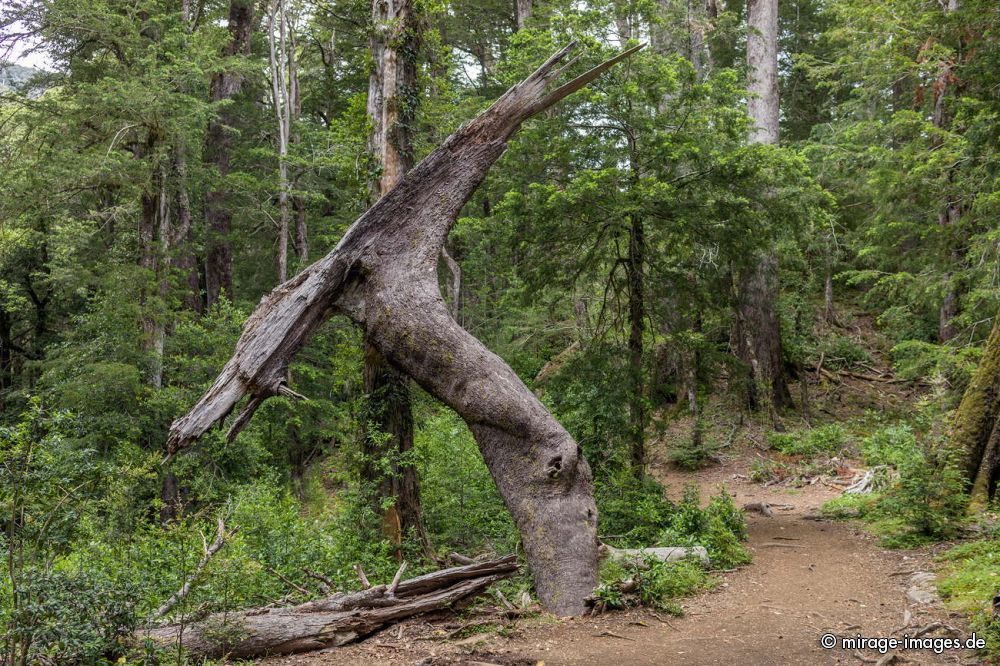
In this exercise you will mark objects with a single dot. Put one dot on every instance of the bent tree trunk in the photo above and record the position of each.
(976, 426)
(383, 275)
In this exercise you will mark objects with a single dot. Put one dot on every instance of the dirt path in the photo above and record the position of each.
(808, 578)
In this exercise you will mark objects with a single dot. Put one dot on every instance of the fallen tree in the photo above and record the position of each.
(333, 621)
(383, 275)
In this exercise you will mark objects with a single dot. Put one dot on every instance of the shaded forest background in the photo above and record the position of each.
(180, 159)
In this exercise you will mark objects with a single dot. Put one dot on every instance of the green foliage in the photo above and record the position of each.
(894, 445)
(649, 582)
(719, 527)
(841, 351)
(461, 504)
(928, 499)
(827, 439)
(632, 512)
(968, 584)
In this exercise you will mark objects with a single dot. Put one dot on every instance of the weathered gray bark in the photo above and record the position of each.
(395, 42)
(759, 332)
(383, 275)
(218, 145)
(334, 621)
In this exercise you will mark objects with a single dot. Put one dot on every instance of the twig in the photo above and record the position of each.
(325, 583)
(395, 580)
(612, 634)
(361, 575)
(288, 582)
(176, 597)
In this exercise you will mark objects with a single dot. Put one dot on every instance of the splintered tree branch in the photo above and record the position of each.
(383, 275)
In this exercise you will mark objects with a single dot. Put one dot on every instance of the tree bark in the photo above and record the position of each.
(331, 622)
(391, 109)
(635, 266)
(383, 275)
(522, 9)
(225, 86)
(218, 146)
(759, 337)
(976, 424)
(951, 214)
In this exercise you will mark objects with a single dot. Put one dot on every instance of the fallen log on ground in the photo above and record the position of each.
(332, 621)
(667, 554)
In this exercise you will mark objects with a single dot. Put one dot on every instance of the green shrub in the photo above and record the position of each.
(928, 499)
(719, 528)
(840, 351)
(764, 471)
(649, 582)
(693, 453)
(968, 585)
(824, 439)
(848, 506)
(631, 512)
(892, 445)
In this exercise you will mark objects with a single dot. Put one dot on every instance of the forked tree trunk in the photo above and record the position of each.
(394, 44)
(383, 275)
(976, 425)
(759, 335)
(218, 145)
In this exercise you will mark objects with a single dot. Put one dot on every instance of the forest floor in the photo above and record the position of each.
(809, 577)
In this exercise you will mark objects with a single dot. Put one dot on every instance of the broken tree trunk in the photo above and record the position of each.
(333, 621)
(383, 275)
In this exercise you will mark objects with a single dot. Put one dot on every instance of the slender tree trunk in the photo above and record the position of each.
(950, 214)
(635, 264)
(522, 9)
(759, 338)
(218, 146)
(284, 88)
(391, 107)
(976, 424)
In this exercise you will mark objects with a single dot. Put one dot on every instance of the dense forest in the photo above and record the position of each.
(295, 292)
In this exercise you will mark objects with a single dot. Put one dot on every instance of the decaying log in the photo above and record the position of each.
(332, 621)
(383, 275)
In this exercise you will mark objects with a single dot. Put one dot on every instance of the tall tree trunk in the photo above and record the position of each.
(976, 424)
(391, 108)
(635, 263)
(759, 337)
(383, 275)
(522, 9)
(284, 89)
(950, 214)
(218, 145)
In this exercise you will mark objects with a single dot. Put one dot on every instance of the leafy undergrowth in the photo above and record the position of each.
(719, 527)
(969, 584)
(918, 493)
